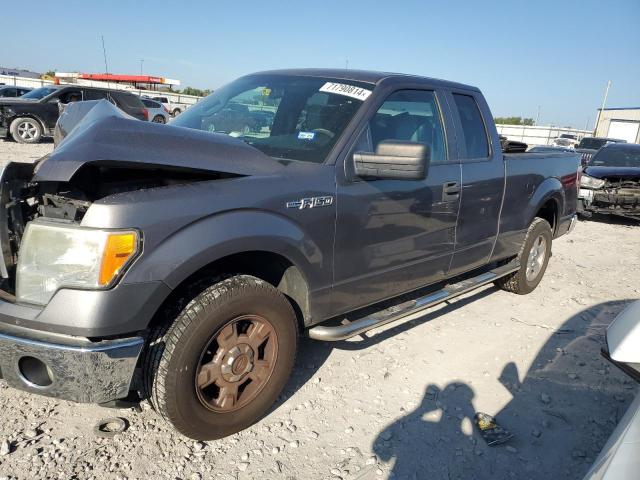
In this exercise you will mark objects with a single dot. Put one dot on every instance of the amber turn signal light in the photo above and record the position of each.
(119, 248)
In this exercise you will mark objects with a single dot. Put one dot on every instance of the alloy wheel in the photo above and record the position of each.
(236, 363)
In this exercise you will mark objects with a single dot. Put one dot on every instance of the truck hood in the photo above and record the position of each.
(103, 134)
(613, 172)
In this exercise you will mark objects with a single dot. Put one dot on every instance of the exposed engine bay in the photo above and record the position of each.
(618, 196)
(23, 199)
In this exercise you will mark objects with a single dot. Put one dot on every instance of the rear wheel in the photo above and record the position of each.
(26, 130)
(158, 119)
(534, 258)
(220, 365)
(176, 112)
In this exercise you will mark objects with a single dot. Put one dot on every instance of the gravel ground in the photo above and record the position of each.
(398, 403)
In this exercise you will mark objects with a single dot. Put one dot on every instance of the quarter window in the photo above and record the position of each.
(410, 115)
(475, 134)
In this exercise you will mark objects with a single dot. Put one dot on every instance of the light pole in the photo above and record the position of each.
(604, 102)
(141, 62)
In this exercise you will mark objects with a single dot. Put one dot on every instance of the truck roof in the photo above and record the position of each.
(366, 76)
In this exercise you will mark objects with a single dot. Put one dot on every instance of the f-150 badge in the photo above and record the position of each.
(311, 202)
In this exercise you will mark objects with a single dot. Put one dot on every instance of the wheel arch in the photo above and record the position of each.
(547, 202)
(32, 116)
(273, 268)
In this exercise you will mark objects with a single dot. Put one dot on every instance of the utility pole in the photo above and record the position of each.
(104, 52)
(346, 64)
(141, 62)
(604, 102)
(538, 116)
(586, 125)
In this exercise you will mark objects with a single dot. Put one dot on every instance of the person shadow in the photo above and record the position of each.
(431, 441)
(561, 412)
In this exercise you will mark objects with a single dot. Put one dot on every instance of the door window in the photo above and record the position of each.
(96, 95)
(473, 129)
(410, 115)
(71, 96)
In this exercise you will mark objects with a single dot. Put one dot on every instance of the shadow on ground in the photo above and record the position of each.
(561, 414)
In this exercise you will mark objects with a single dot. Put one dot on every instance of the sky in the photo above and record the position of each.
(553, 55)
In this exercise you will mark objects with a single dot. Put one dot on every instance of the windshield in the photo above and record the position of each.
(285, 117)
(39, 93)
(592, 143)
(616, 157)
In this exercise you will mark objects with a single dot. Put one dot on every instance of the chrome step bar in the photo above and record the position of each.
(409, 310)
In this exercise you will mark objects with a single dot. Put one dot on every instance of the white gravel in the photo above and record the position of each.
(397, 404)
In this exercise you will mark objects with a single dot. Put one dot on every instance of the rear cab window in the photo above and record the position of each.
(474, 131)
(126, 101)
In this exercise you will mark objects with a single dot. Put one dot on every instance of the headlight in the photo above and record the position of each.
(54, 256)
(590, 182)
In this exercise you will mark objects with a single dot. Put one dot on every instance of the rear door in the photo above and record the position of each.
(393, 236)
(482, 181)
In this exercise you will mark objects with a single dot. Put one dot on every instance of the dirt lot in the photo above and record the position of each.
(398, 403)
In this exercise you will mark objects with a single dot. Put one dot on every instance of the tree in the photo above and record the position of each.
(195, 91)
(514, 121)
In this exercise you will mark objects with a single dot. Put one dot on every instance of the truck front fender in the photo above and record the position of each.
(212, 238)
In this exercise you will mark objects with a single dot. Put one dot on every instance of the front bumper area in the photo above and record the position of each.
(70, 368)
(606, 202)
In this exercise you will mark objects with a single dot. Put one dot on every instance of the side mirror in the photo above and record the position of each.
(394, 160)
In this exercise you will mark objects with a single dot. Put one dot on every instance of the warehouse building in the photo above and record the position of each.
(623, 123)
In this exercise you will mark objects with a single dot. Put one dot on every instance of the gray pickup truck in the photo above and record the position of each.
(180, 263)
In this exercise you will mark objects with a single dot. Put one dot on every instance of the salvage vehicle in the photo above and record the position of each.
(174, 263)
(174, 108)
(158, 113)
(619, 457)
(566, 140)
(32, 117)
(610, 183)
(588, 146)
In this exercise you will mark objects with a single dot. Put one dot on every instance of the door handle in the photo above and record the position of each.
(450, 191)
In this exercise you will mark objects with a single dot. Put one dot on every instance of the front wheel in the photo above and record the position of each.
(534, 258)
(26, 130)
(223, 361)
(159, 119)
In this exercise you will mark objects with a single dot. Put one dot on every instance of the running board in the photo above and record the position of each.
(412, 309)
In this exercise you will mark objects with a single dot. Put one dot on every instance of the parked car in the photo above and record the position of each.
(619, 458)
(590, 145)
(610, 182)
(12, 92)
(175, 108)
(33, 116)
(198, 258)
(158, 113)
(566, 140)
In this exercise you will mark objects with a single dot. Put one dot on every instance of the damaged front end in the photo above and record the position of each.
(100, 153)
(614, 196)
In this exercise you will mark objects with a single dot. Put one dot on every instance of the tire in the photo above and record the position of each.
(26, 130)
(182, 356)
(159, 119)
(527, 278)
(176, 112)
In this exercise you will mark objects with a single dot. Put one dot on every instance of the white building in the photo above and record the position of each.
(623, 123)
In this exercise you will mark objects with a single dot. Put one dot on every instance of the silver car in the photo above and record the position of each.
(620, 457)
(158, 113)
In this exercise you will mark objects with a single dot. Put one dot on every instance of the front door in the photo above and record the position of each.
(393, 236)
